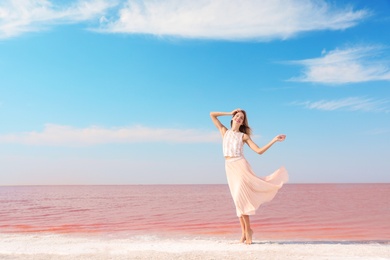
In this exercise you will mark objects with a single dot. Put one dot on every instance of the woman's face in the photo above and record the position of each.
(239, 118)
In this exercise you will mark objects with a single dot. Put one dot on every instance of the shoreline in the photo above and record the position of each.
(54, 246)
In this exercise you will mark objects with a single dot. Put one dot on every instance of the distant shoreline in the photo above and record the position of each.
(188, 184)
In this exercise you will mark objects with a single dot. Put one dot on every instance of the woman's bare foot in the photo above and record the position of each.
(248, 236)
(243, 238)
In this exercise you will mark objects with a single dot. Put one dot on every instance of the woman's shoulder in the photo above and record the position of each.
(245, 137)
(223, 130)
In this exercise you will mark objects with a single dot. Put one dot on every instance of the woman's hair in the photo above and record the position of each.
(244, 128)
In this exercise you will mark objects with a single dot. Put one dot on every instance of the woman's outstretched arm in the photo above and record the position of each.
(261, 150)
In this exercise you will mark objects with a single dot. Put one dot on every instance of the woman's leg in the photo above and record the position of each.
(242, 222)
(248, 230)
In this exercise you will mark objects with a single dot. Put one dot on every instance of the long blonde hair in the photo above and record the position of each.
(244, 128)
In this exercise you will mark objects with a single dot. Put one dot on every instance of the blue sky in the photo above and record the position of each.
(119, 92)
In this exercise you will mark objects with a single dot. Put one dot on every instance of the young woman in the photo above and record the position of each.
(248, 190)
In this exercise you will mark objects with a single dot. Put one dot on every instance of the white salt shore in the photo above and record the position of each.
(42, 247)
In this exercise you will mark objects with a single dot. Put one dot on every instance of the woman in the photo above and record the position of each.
(248, 190)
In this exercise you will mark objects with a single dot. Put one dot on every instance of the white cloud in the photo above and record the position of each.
(69, 136)
(348, 104)
(21, 16)
(209, 19)
(231, 20)
(349, 65)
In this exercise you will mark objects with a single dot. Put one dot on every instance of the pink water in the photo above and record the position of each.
(352, 212)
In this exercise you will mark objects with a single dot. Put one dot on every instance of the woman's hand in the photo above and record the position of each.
(279, 138)
(235, 111)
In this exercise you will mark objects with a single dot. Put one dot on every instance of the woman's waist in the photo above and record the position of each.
(233, 158)
(236, 154)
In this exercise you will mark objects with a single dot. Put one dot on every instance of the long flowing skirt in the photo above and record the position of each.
(248, 190)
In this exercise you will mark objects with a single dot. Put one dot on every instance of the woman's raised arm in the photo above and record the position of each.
(214, 117)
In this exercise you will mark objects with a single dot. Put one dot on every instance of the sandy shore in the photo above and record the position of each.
(65, 247)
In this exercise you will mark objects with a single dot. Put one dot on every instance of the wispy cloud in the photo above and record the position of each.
(208, 19)
(231, 20)
(60, 135)
(378, 131)
(347, 104)
(348, 65)
(21, 16)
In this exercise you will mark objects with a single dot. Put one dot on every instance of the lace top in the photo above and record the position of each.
(233, 146)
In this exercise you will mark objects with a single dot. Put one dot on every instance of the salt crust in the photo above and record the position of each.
(43, 247)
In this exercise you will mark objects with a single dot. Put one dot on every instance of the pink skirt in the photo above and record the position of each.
(248, 190)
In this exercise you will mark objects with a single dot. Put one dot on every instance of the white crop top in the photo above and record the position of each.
(233, 146)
